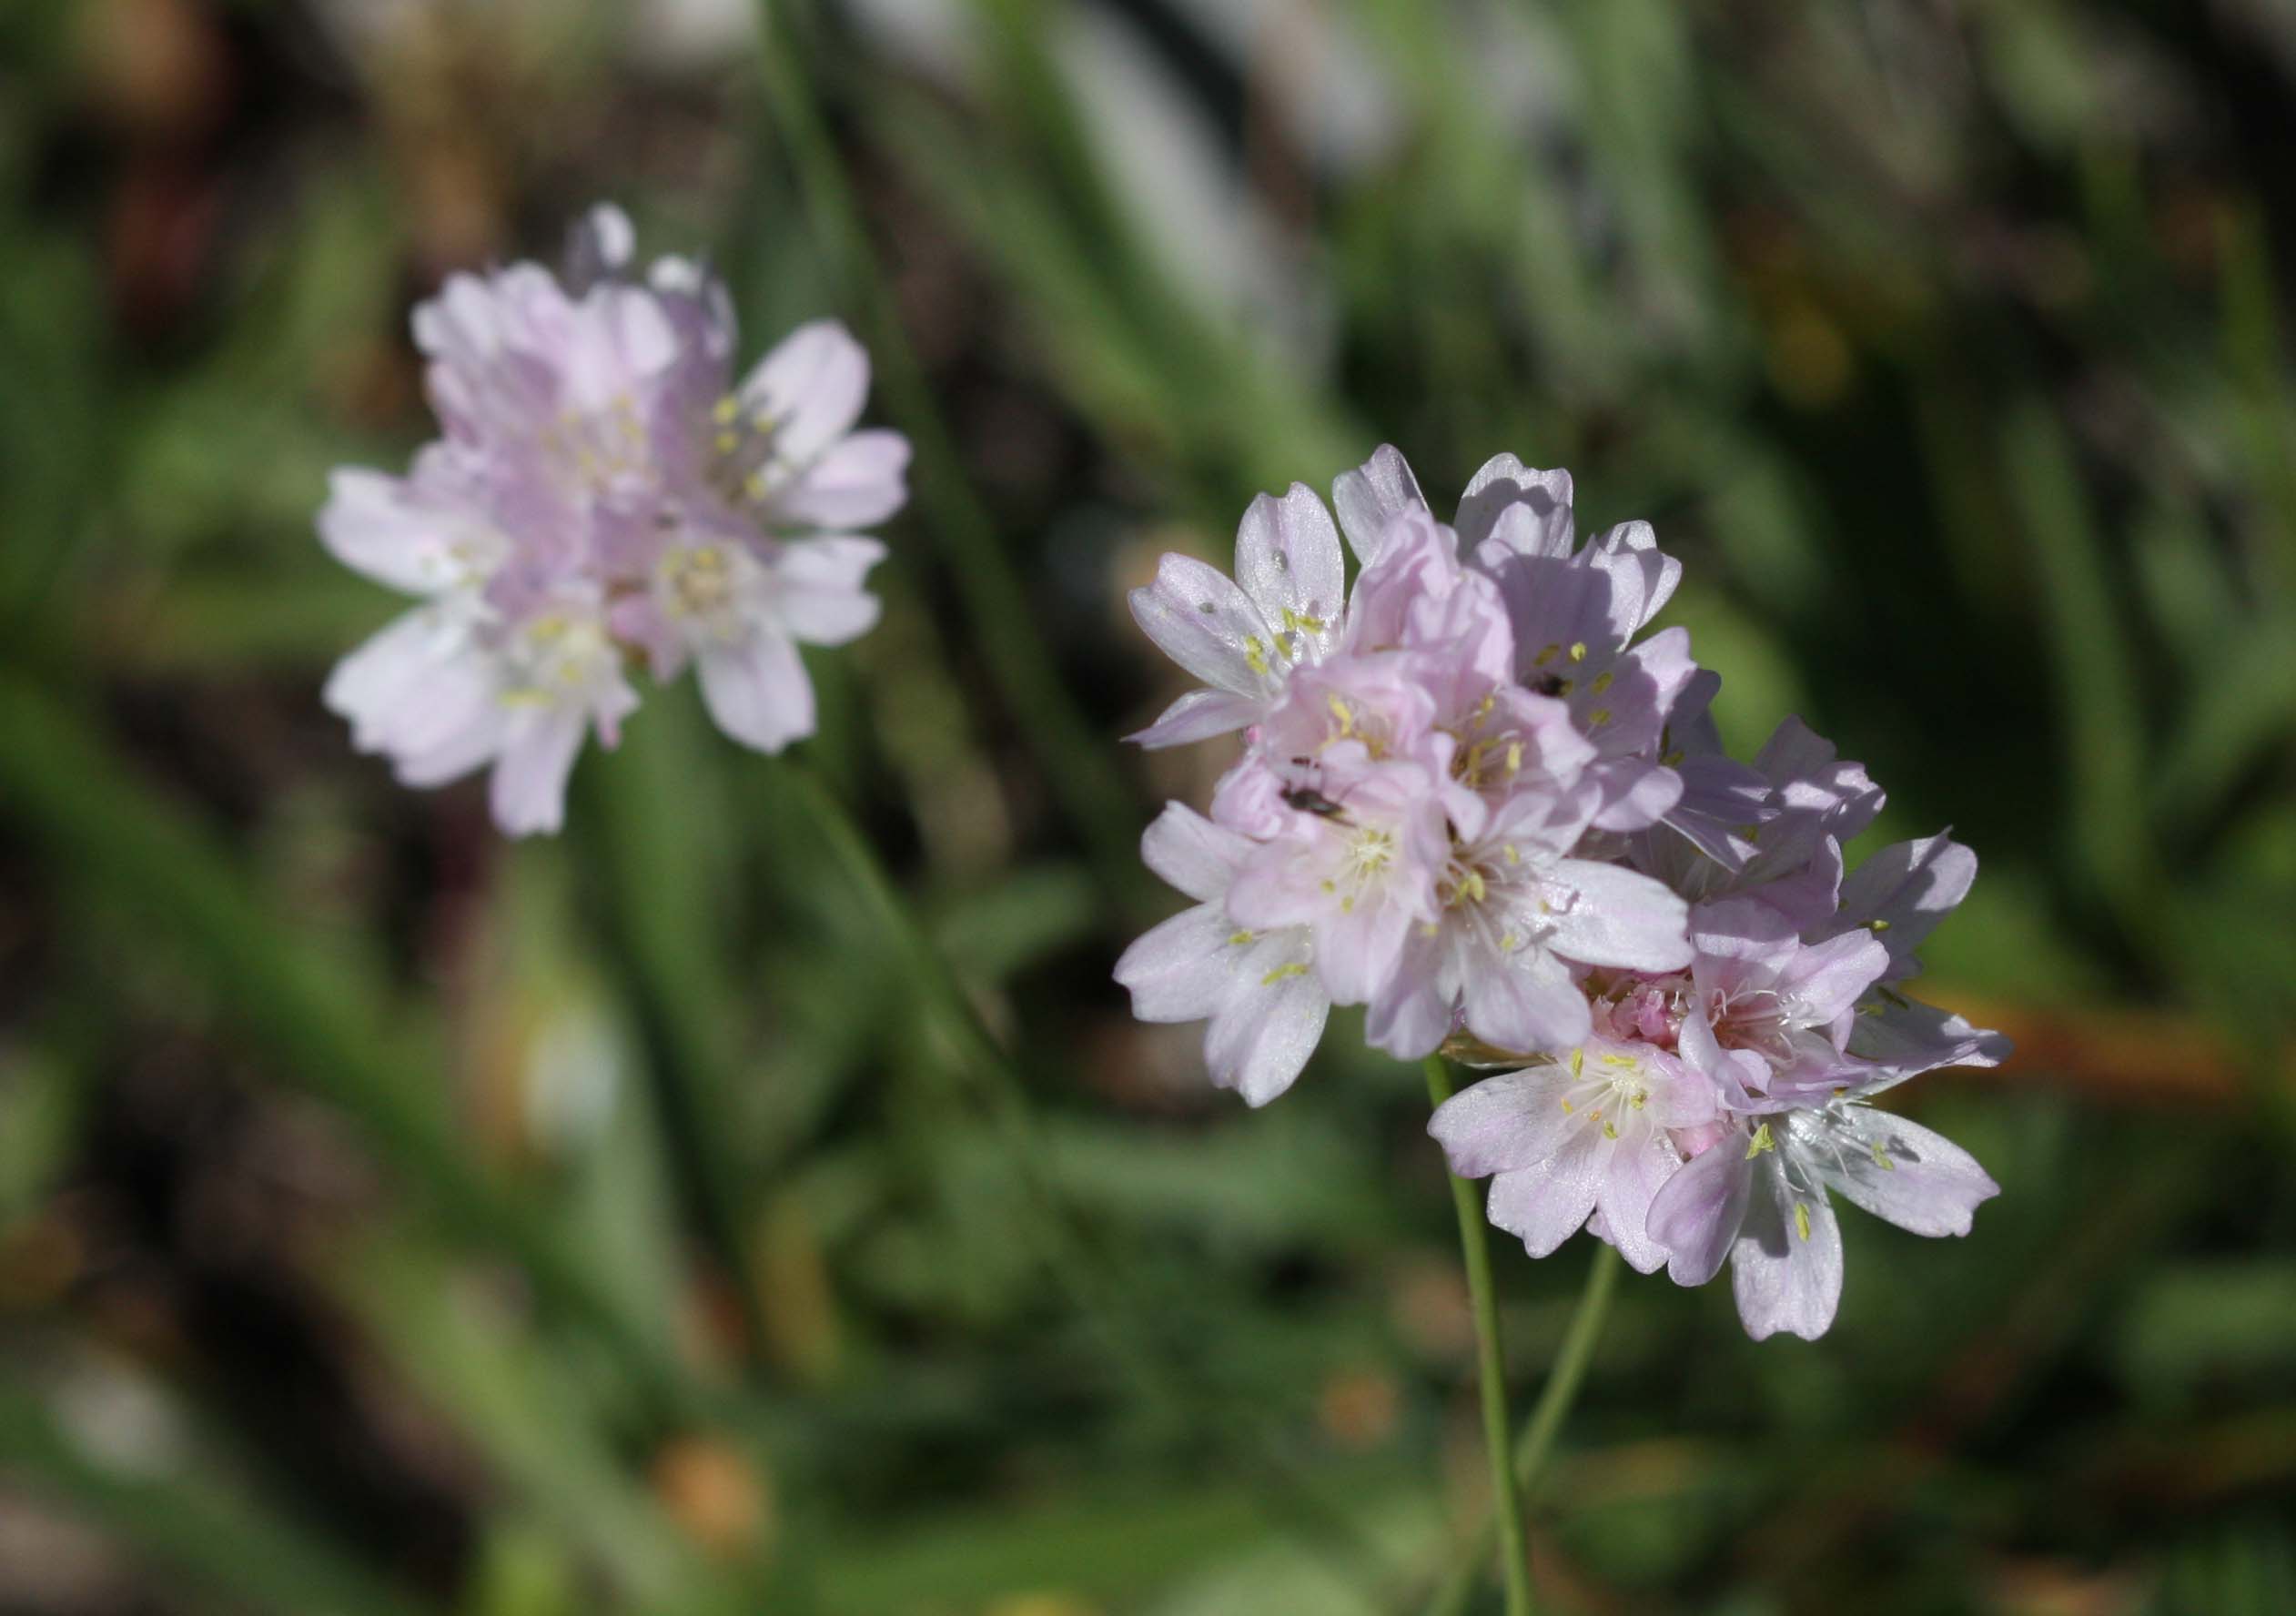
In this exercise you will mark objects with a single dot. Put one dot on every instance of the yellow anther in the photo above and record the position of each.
(1801, 1220)
(1610, 1130)
(1237, 939)
(1881, 1157)
(1344, 713)
(1578, 650)
(1255, 653)
(1283, 974)
(1878, 925)
(1299, 622)
(1546, 655)
(727, 442)
(1578, 1063)
(1601, 681)
(1598, 718)
(1567, 1105)
(1760, 1142)
(1507, 852)
(1509, 942)
(1430, 929)
(1640, 1098)
(1514, 765)
(1672, 760)
(1471, 887)
(728, 411)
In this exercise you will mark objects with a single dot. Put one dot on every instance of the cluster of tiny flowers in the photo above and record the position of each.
(606, 494)
(1476, 798)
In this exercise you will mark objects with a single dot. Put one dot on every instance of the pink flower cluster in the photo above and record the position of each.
(607, 492)
(1477, 799)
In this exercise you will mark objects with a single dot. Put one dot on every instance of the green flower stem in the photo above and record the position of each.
(1491, 1370)
(1537, 1441)
(1079, 764)
(1289, 1499)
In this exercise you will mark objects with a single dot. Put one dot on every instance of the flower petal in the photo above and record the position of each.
(857, 481)
(1183, 969)
(1605, 915)
(811, 388)
(528, 791)
(1371, 496)
(1259, 1041)
(1199, 715)
(1201, 620)
(1192, 853)
(756, 689)
(1505, 1123)
(1546, 1204)
(1906, 1174)
(1696, 1213)
(1287, 561)
(1786, 1269)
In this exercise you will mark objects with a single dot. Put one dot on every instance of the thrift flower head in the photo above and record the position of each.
(606, 491)
(1478, 794)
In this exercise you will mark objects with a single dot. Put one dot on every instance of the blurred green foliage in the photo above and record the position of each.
(675, 1217)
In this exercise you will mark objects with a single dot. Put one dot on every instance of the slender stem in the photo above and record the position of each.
(1490, 1368)
(1537, 1441)
(1078, 766)
(1291, 1500)
(655, 884)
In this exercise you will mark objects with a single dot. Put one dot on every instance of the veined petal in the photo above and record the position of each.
(1183, 969)
(1371, 496)
(1696, 1215)
(1546, 1204)
(1643, 576)
(1505, 1123)
(1262, 1037)
(1906, 1038)
(1826, 980)
(1528, 511)
(1199, 715)
(1640, 1163)
(1786, 1269)
(1909, 887)
(1201, 620)
(1410, 1017)
(1636, 792)
(1607, 915)
(1192, 853)
(1905, 1173)
(1523, 999)
(1287, 562)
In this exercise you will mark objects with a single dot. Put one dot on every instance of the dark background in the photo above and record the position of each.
(394, 1219)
